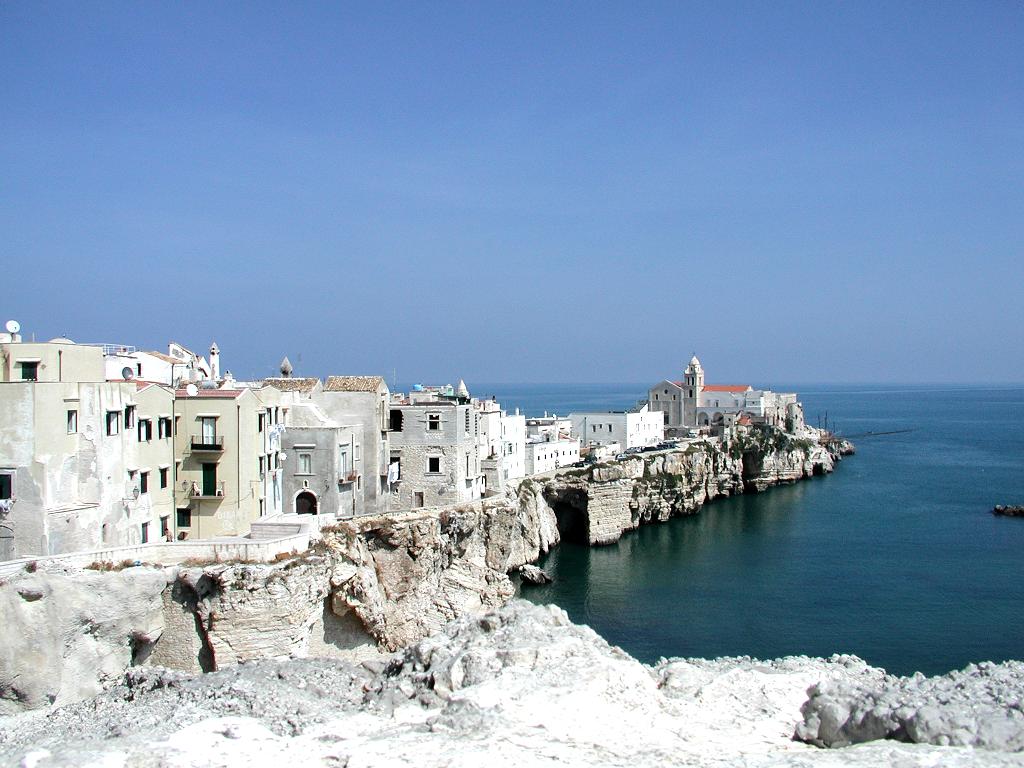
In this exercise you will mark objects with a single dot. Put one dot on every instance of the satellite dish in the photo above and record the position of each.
(191, 390)
(13, 326)
(127, 373)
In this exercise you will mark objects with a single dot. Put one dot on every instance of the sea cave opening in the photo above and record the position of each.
(570, 508)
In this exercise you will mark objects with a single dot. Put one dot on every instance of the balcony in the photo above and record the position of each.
(207, 490)
(348, 477)
(207, 444)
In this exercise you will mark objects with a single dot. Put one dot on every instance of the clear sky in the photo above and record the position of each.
(542, 192)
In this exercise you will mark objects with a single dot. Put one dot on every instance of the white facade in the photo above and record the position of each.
(545, 426)
(501, 444)
(84, 463)
(548, 455)
(631, 429)
(123, 361)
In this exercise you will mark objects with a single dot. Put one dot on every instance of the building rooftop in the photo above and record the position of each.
(726, 387)
(223, 394)
(292, 385)
(353, 383)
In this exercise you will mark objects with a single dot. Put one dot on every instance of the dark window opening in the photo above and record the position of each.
(144, 482)
(164, 472)
(30, 371)
(434, 464)
(6, 486)
(396, 421)
(184, 518)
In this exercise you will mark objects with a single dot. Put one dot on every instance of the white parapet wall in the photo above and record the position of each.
(174, 553)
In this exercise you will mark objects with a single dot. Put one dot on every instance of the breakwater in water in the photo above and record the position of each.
(374, 583)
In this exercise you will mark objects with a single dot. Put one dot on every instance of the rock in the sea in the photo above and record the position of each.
(531, 574)
(1008, 511)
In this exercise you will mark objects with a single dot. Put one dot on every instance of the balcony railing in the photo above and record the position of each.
(348, 477)
(207, 443)
(206, 491)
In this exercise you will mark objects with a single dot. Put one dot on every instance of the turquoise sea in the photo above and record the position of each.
(895, 557)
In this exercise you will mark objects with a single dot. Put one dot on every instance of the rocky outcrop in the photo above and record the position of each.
(598, 504)
(518, 686)
(370, 585)
(979, 706)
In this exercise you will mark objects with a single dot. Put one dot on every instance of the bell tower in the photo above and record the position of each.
(693, 384)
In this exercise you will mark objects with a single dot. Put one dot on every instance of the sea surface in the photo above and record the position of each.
(895, 557)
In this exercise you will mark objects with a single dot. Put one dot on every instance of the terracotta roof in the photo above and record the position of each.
(292, 385)
(353, 383)
(726, 387)
(210, 393)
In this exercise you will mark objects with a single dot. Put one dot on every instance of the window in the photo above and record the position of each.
(346, 465)
(184, 518)
(6, 485)
(469, 417)
(262, 460)
(145, 533)
(145, 429)
(144, 482)
(433, 421)
(396, 421)
(434, 464)
(113, 422)
(164, 473)
(138, 369)
(129, 417)
(260, 421)
(164, 427)
(72, 422)
(209, 430)
(165, 527)
(305, 464)
(30, 371)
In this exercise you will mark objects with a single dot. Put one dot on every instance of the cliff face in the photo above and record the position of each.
(597, 505)
(371, 585)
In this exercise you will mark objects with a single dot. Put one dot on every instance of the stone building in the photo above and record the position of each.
(84, 463)
(319, 474)
(435, 449)
(692, 403)
(361, 403)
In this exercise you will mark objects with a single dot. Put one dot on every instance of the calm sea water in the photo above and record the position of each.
(895, 557)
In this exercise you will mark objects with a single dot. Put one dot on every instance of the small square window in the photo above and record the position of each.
(434, 464)
(434, 422)
(30, 371)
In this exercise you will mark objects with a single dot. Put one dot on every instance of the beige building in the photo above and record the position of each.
(84, 463)
(224, 460)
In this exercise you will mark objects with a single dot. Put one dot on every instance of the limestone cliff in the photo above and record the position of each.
(598, 504)
(371, 584)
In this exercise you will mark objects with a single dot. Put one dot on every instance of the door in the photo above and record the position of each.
(419, 499)
(209, 479)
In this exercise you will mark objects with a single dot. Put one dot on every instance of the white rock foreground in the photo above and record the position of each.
(522, 685)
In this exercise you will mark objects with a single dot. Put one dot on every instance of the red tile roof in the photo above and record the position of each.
(726, 387)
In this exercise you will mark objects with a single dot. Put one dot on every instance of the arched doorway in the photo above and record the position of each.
(305, 503)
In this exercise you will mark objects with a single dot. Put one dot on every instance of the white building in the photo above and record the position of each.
(547, 455)
(554, 427)
(178, 366)
(501, 444)
(84, 463)
(691, 403)
(631, 429)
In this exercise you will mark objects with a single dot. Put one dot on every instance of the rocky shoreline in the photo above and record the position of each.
(522, 685)
(370, 586)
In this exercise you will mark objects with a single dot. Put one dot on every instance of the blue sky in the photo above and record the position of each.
(523, 192)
